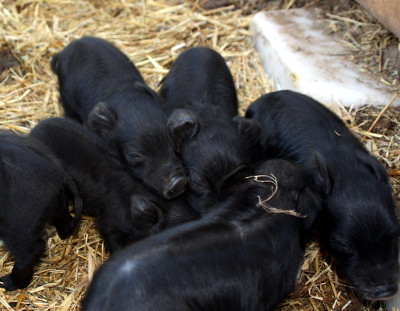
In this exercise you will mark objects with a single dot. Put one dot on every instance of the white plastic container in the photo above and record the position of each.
(298, 54)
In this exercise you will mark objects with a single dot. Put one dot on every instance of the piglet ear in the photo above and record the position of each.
(309, 205)
(182, 126)
(102, 119)
(249, 129)
(374, 166)
(146, 216)
(319, 173)
(54, 63)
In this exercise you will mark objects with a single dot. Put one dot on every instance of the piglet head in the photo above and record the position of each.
(363, 228)
(148, 160)
(218, 160)
(150, 147)
(366, 249)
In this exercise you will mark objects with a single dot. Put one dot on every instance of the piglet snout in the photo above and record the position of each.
(381, 292)
(175, 186)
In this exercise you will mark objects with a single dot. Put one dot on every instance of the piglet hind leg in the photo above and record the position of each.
(26, 252)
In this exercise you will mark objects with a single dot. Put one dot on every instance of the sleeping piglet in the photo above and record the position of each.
(241, 255)
(200, 85)
(101, 88)
(125, 210)
(358, 224)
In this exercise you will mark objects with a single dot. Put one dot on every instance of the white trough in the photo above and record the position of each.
(299, 54)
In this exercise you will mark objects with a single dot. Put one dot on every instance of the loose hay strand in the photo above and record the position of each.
(381, 114)
(266, 179)
(274, 210)
(263, 203)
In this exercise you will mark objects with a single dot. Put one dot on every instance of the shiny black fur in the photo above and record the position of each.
(101, 88)
(358, 223)
(236, 257)
(200, 85)
(35, 191)
(125, 210)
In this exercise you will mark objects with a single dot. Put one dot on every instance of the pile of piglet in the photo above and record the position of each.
(200, 208)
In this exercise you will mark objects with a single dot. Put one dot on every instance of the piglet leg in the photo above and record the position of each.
(27, 253)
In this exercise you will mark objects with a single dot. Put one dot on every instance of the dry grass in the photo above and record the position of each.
(152, 34)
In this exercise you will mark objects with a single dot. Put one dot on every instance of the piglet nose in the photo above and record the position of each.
(383, 292)
(176, 186)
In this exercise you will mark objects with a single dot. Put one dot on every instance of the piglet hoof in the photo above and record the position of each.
(66, 229)
(8, 283)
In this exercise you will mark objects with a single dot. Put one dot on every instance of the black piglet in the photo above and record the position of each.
(236, 257)
(200, 84)
(101, 88)
(358, 224)
(126, 211)
(35, 191)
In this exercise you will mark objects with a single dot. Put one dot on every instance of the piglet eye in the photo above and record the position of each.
(133, 157)
(197, 183)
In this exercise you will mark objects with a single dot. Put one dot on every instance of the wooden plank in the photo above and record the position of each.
(386, 11)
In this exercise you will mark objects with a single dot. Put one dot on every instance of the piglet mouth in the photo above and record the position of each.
(380, 293)
(176, 186)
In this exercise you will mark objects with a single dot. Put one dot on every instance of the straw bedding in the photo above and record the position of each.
(152, 34)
